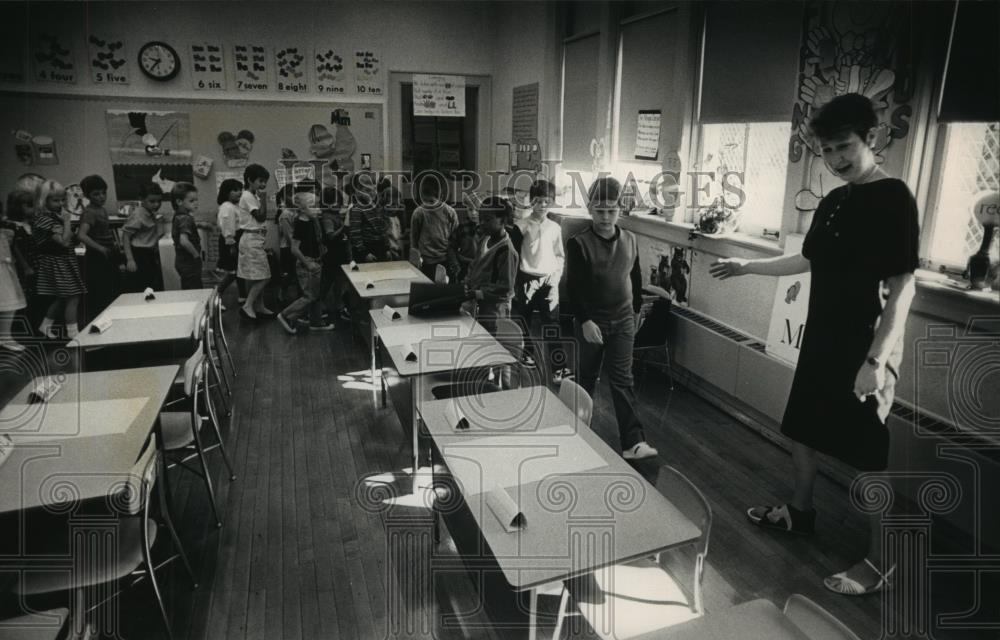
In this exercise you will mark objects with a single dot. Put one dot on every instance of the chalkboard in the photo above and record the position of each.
(349, 134)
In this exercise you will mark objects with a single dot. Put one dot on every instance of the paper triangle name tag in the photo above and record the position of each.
(390, 313)
(354, 266)
(505, 510)
(455, 417)
(43, 391)
(410, 352)
(100, 325)
(369, 285)
(148, 294)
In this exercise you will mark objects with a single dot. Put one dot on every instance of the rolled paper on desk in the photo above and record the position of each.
(100, 324)
(43, 391)
(369, 285)
(503, 507)
(453, 414)
(148, 294)
(410, 352)
(390, 313)
(354, 266)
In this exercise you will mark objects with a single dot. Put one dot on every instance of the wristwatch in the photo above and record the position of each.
(873, 361)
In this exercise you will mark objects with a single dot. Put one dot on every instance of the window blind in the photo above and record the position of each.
(579, 121)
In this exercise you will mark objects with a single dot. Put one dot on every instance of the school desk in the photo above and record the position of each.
(444, 353)
(83, 441)
(584, 507)
(388, 280)
(389, 330)
(170, 316)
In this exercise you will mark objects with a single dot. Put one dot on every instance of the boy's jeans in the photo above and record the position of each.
(616, 353)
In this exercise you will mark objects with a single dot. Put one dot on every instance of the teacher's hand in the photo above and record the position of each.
(591, 332)
(728, 268)
(869, 380)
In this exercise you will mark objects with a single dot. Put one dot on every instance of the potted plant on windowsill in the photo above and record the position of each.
(717, 218)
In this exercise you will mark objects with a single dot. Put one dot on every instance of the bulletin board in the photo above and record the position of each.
(93, 134)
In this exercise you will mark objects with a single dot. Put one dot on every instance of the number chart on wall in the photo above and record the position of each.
(132, 142)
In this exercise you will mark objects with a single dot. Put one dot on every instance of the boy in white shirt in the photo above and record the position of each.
(542, 259)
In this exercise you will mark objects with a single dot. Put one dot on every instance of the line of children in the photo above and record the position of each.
(184, 232)
(252, 264)
(142, 240)
(308, 248)
(432, 232)
(57, 273)
(227, 219)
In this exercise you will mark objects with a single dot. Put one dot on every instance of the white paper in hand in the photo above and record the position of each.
(503, 507)
(455, 417)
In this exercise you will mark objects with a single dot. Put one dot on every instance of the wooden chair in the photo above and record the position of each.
(577, 399)
(761, 620)
(136, 535)
(182, 429)
(635, 598)
(44, 625)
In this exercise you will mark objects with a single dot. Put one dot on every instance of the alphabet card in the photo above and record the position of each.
(368, 75)
(52, 56)
(250, 62)
(208, 71)
(108, 60)
(331, 76)
(290, 69)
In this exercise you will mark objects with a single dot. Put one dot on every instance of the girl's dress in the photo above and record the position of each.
(11, 295)
(58, 273)
(859, 237)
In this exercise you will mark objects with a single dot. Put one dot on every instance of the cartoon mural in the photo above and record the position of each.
(854, 47)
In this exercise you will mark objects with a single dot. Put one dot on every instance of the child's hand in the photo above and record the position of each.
(131, 267)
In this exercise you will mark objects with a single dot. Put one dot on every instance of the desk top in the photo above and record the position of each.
(413, 329)
(84, 440)
(584, 506)
(177, 312)
(389, 278)
(447, 354)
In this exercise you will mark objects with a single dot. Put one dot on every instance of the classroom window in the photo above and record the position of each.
(437, 143)
(579, 102)
(969, 164)
(759, 150)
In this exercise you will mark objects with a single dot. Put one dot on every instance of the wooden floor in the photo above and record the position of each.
(299, 557)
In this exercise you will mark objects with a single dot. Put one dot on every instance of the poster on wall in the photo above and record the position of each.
(331, 71)
(788, 313)
(647, 135)
(368, 76)
(130, 177)
(290, 69)
(149, 136)
(438, 95)
(250, 67)
(208, 71)
(108, 59)
(524, 116)
(52, 56)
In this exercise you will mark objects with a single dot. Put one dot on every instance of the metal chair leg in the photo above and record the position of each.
(225, 343)
(218, 434)
(207, 477)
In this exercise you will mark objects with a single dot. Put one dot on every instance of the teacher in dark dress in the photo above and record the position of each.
(861, 252)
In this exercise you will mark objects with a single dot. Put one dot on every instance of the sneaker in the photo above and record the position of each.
(640, 451)
(345, 314)
(785, 518)
(322, 327)
(527, 361)
(562, 374)
(286, 325)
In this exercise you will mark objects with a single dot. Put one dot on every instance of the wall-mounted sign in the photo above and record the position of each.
(436, 95)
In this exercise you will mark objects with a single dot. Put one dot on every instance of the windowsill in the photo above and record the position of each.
(695, 237)
(944, 286)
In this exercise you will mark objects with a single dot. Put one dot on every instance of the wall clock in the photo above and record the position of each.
(159, 61)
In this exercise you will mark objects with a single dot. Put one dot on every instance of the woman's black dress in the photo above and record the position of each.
(860, 235)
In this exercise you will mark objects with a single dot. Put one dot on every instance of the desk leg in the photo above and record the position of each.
(416, 430)
(372, 347)
(533, 614)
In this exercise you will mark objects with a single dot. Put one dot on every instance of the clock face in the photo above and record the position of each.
(159, 61)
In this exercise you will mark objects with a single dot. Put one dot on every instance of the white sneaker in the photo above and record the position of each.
(13, 345)
(640, 451)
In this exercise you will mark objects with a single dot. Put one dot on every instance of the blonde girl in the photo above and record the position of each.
(56, 268)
